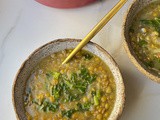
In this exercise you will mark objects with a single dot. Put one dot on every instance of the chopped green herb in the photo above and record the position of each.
(84, 107)
(153, 23)
(92, 78)
(47, 106)
(51, 75)
(96, 100)
(97, 97)
(68, 113)
(71, 97)
(70, 85)
(81, 107)
(87, 56)
(142, 43)
(149, 63)
(56, 91)
(56, 75)
(74, 77)
(98, 94)
(84, 74)
(36, 102)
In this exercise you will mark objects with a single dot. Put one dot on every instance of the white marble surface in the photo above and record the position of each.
(26, 25)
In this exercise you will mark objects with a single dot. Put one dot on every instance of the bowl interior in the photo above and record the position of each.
(55, 46)
(133, 10)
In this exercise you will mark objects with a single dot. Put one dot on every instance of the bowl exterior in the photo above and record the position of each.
(55, 46)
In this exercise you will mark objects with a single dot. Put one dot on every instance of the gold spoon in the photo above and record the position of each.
(96, 29)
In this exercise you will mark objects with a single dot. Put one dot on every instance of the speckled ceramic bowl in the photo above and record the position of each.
(55, 46)
(136, 6)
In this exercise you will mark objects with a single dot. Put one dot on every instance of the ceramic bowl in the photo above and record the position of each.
(55, 46)
(135, 7)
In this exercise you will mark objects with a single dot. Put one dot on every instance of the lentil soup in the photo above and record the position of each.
(145, 36)
(83, 89)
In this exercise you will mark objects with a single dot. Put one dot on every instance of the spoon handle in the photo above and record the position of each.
(96, 29)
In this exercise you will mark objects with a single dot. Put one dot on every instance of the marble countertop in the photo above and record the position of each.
(26, 25)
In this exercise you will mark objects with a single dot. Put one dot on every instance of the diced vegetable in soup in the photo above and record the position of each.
(83, 89)
(145, 36)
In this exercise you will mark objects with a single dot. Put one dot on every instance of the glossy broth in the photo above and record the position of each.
(83, 89)
(145, 36)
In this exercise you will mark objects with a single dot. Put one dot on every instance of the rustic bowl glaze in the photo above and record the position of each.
(55, 46)
(135, 7)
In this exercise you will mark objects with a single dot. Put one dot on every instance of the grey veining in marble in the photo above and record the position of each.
(26, 25)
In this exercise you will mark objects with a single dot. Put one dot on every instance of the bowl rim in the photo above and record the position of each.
(117, 114)
(128, 50)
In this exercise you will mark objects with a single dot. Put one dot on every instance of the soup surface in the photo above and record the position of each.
(83, 89)
(145, 36)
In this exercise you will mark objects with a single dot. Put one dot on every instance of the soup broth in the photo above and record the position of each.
(82, 89)
(145, 36)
